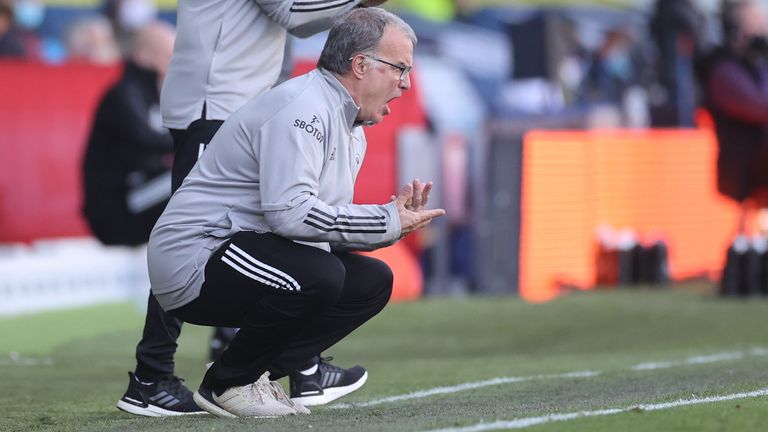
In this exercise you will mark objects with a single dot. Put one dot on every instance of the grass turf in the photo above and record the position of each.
(71, 365)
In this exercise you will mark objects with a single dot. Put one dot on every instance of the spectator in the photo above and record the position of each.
(735, 83)
(676, 28)
(126, 17)
(29, 15)
(91, 40)
(10, 45)
(266, 216)
(612, 70)
(129, 152)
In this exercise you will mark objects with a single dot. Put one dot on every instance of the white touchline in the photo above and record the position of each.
(702, 359)
(694, 360)
(525, 422)
(465, 386)
(16, 359)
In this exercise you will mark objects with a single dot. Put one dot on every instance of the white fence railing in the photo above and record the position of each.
(64, 273)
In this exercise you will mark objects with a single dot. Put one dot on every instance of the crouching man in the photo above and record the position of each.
(259, 234)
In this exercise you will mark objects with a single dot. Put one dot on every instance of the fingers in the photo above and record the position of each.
(419, 220)
(425, 194)
(410, 202)
(418, 189)
(424, 217)
(433, 213)
(420, 195)
(405, 195)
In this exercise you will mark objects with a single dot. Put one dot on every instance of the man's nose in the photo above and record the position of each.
(405, 84)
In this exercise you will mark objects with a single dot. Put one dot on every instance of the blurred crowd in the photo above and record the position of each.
(32, 30)
(637, 62)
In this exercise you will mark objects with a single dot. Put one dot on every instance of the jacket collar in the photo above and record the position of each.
(349, 107)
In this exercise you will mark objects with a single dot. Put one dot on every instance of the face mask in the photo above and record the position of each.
(29, 14)
(133, 14)
(619, 65)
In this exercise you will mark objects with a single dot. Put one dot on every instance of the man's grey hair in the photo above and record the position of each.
(358, 31)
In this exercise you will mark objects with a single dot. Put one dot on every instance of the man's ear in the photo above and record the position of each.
(359, 65)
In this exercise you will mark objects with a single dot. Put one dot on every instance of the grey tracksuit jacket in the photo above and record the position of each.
(285, 163)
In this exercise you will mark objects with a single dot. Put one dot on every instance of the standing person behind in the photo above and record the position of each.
(259, 234)
(735, 83)
(129, 154)
(126, 178)
(225, 54)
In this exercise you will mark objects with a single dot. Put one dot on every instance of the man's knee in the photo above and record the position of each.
(383, 279)
(329, 282)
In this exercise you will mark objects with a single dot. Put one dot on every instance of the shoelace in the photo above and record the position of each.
(255, 392)
(259, 389)
(279, 393)
(325, 364)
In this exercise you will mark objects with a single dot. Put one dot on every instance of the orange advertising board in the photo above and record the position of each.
(659, 182)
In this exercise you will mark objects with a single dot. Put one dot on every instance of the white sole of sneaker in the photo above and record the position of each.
(211, 408)
(151, 410)
(331, 394)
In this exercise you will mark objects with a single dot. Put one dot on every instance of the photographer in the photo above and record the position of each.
(735, 83)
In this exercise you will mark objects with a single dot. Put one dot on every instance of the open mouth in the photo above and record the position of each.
(386, 109)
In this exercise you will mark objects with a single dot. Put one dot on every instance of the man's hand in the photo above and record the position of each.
(410, 206)
(372, 3)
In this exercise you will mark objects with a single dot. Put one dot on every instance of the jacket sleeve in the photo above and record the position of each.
(290, 164)
(732, 91)
(303, 18)
(360, 247)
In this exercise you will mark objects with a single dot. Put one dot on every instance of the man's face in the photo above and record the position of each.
(5, 21)
(382, 82)
(752, 22)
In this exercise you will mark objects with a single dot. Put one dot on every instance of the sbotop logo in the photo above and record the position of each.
(311, 127)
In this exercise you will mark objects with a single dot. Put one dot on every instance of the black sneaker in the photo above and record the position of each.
(327, 384)
(165, 397)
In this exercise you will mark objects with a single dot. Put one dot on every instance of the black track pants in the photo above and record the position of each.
(291, 301)
(155, 350)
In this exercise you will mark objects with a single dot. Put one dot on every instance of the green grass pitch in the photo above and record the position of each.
(640, 346)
